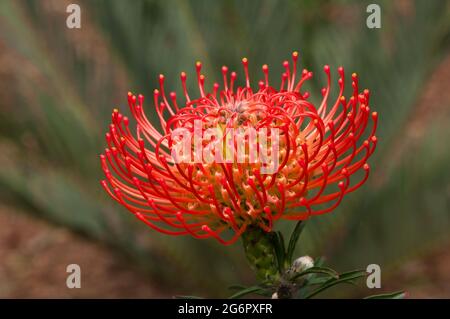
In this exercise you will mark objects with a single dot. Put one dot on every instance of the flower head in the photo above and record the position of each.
(317, 153)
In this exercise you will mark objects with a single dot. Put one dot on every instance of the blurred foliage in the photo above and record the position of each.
(58, 86)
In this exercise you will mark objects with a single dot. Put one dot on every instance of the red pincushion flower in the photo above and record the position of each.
(319, 148)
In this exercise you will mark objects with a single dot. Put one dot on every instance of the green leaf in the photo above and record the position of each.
(247, 291)
(317, 281)
(347, 277)
(392, 295)
(294, 239)
(318, 270)
(280, 250)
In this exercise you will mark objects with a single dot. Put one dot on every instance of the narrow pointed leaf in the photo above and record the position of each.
(343, 278)
(280, 250)
(294, 239)
(247, 291)
(318, 270)
(392, 295)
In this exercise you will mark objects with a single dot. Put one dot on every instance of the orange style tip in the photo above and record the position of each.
(366, 167)
(374, 139)
(156, 91)
(374, 114)
(202, 77)
(354, 75)
(115, 110)
(129, 93)
(342, 98)
(161, 76)
(244, 60)
(295, 54)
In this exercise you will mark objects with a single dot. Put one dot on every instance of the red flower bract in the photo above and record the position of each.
(323, 153)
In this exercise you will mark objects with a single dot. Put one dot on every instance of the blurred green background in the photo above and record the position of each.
(59, 85)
